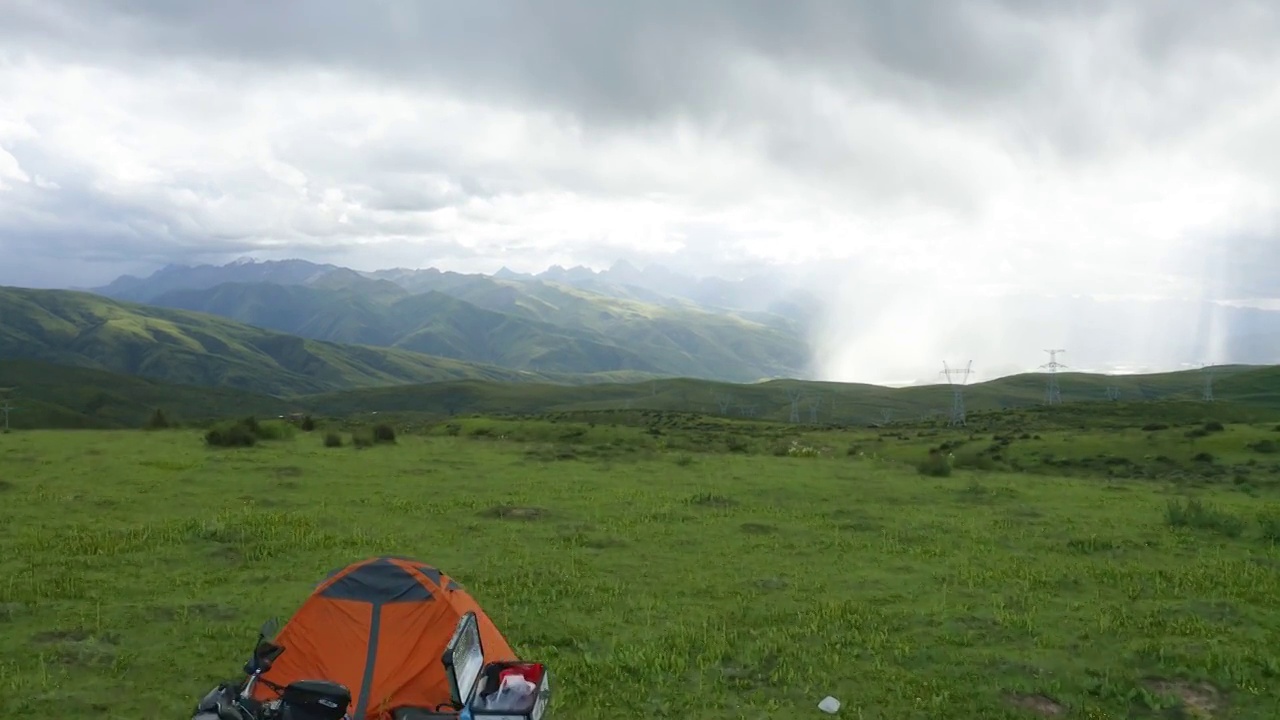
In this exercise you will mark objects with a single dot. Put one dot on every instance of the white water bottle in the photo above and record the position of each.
(514, 693)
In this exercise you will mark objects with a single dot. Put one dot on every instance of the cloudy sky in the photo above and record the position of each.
(906, 148)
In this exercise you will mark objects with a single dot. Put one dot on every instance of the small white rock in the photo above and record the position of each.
(829, 705)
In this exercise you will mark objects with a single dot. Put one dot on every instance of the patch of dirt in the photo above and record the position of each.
(552, 453)
(860, 526)
(709, 500)
(52, 637)
(226, 553)
(1200, 698)
(772, 583)
(288, 471)
(203, 611)
(79, 648)
(1042, 705)
(513, 512)
(758, 529)
(750, 677)
(603, 542)
(11, 610)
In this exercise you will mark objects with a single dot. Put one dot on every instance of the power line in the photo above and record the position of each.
(957, 390)
(1053, 393)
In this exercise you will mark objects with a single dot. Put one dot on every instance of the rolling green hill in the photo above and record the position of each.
(525, 325)
(45, 395)
(86, 330)
(823, 402)
(59, 396)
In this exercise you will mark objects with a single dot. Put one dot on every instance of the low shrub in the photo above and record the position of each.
(936, 464)
(1267, 446)
(332, 440)
(1192, 513)
(158, 421)
(973, 461)
(1269, 523)
(384, 433)
(275, 431)
(236, 434)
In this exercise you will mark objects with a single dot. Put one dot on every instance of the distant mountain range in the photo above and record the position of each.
(757, 295)
(294, 327)
(572, 321)
(175, 346)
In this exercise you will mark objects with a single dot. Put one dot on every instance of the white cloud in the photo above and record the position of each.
(10, 169)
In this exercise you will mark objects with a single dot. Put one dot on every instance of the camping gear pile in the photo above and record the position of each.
(387, 638)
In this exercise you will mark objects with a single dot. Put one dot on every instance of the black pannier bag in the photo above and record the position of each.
(314, 700)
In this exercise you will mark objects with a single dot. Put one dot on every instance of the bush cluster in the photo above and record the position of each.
(380, 434)
(158, 421)
(936, 464)
(245, 432)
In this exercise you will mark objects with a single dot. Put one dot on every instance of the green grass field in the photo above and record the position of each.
(674, 567)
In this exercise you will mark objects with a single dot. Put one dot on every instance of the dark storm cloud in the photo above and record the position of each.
(632, 62)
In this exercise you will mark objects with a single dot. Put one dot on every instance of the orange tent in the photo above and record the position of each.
(380, 627)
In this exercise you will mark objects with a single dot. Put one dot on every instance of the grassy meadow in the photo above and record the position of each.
(676, 566)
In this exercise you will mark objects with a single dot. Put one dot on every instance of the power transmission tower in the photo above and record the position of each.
(1208, 383)
(886, 416)
(813, 409)
(794, 397)
(725, 401)
(1113, 393)
(6, 408)
(957, 390)
(1053, 393)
